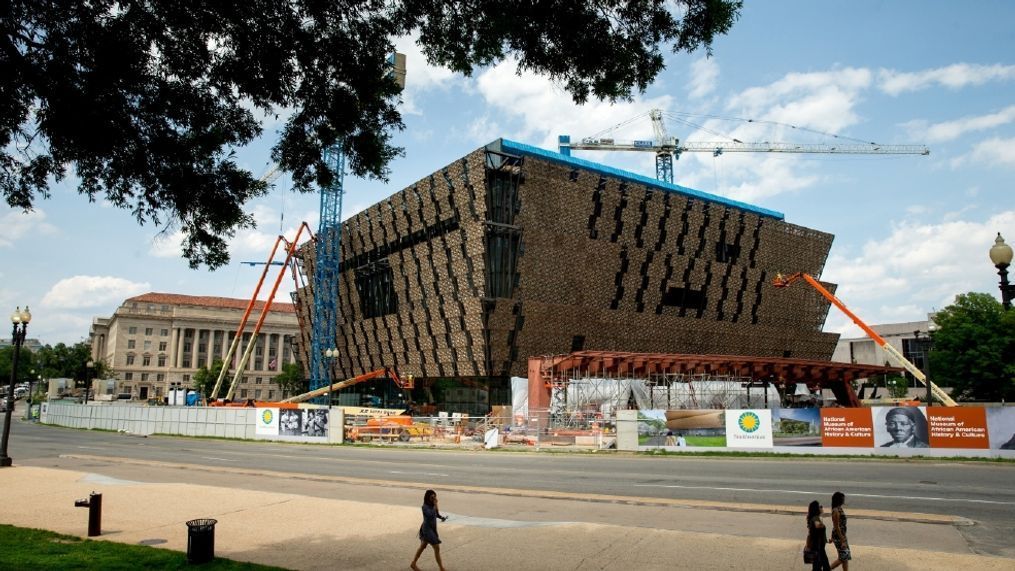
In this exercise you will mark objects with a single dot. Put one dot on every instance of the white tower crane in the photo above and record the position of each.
(667, 148)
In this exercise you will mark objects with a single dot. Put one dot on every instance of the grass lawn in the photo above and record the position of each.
(718, 441)
(22, 548)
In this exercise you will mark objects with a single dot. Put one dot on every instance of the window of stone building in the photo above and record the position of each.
(148, 331)
(162, 345)
(144, 377)
(132, 330)
(146, 361)
(186, 363)
(160, 377)
(257, 380)
(186, 379)
(164, 333)
(147, 345)
(162, 360)
(128, 376)
(271, 395)
(202, 348)
(258, 350)
(130, 343)
(243, 393)
(130, 360)
(257, 394)
(186, 346)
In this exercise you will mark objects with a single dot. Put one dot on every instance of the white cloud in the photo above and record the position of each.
(915, 269)
(704, 76)
(950, 130)
(91, 291)
(819, 100)
(421, 77)
(17, 224)
(544, 109)
(994, 152)
(953, 76)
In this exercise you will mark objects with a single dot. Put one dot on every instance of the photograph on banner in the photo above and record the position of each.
(796, 426)
(900, 427)
(681, 428)
(958, 427)
(315, 422)
(1001, 426)
(290, 422)
(847, 427)
(749, 428)
(700, 427)
(266, 422)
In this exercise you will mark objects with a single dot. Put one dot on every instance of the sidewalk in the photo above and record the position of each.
(301, 532)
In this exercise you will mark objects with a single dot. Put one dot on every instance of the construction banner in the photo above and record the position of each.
(267, 422)
(796, 426)
(850, 427)
(1001, 426)
(749, 428)
(958, 427)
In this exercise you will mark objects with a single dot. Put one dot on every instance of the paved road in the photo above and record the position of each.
(982, 492)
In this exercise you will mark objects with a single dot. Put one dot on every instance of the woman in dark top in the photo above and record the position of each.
(839, 531)
(428, 531)
(817, 537)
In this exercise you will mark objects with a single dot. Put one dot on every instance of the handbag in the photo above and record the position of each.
(808, 552)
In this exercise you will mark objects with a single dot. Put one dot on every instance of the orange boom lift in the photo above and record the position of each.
(892, 352)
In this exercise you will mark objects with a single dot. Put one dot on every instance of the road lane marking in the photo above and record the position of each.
(214, 458)
(852, 494)
(418, 473)
(91, 447)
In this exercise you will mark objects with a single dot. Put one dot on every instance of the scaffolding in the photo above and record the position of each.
(575, 399)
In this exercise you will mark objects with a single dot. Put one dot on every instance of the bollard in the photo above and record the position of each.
(94, 505)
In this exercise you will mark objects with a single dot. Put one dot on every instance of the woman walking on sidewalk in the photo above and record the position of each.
(817, 537)
(428, 531)
(839, 531)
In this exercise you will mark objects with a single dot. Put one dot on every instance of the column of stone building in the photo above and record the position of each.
(210, 353)
(178, 334)
(280, 352)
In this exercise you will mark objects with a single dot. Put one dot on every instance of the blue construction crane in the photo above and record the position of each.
(327, 259)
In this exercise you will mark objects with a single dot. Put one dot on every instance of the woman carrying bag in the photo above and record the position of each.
(817, 537)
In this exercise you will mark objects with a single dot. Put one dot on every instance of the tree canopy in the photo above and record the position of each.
(291, 379)
(204, 379)
(149, 101)
(52, 362)
(974, 349)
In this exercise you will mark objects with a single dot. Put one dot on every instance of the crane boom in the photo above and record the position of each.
(719, 147)
(893, 353)
(667, 148)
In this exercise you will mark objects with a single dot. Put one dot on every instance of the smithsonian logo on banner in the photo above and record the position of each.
(267, 422)
(749, 428)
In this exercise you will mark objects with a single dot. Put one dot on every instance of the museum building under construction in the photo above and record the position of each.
(513, 251)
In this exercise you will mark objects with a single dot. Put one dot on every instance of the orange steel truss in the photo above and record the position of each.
(546, 371)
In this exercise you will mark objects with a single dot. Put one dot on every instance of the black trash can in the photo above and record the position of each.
(201, 540)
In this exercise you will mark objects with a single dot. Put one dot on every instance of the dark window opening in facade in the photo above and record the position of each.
(502, 246)
(684, 297)
(727, 253)
(375, 285)
(577, 343)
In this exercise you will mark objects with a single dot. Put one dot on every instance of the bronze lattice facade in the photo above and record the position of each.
(512, 251)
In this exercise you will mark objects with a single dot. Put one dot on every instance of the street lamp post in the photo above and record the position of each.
(329, 357)
(89, 370)
(925, 343)
(1000, 256)
(18, 318)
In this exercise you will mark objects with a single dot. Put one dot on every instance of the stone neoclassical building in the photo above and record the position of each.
(157, 341)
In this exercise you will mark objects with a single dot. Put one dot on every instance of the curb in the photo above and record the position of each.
(908, 517)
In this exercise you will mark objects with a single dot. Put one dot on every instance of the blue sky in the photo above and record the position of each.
(911, 232)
